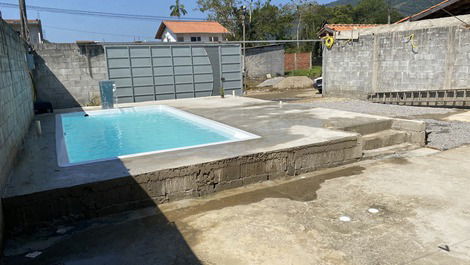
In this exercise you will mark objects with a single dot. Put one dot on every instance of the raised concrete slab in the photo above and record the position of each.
(280, 127)
(294, 139)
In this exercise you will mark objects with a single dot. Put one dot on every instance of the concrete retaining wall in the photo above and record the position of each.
(383, 59)
(106, 197)
(16, 100)
(263, 60)
(67, 74)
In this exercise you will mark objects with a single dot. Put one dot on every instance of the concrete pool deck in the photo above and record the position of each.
(295, 139)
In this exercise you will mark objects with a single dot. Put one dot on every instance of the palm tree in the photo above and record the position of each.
(177, 9)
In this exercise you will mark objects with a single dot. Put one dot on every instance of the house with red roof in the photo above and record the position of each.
(336, 29)
(191, 31)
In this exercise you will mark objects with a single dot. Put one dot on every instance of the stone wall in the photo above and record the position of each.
(383, 59)
(16, 100)
(263, 60)
(304, 61)
(67, 74)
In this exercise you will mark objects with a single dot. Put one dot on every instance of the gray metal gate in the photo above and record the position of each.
(145, 72)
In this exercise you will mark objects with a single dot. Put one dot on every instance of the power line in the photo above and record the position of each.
(94, 32)
(94, 13)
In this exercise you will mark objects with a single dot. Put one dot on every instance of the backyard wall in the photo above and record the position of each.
(67, 74)
(263, 60)
(304, 61)
(383, 59)
(16, 101)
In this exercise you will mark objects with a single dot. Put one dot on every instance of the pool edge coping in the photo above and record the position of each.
(61, 147)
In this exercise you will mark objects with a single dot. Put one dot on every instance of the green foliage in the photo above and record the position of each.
(226, 12)
(405, 7)
(177, 9)
(313, 72)
(267, 22)
(303, 18)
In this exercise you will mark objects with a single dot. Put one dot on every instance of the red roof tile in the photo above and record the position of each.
(17, 21)
(341, 27)
(191, 27)
(330, 28)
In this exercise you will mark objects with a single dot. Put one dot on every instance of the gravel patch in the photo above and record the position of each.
(380, 109)
(445, 135)
(271, 82)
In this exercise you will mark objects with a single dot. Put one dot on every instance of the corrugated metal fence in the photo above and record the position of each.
(171, 71)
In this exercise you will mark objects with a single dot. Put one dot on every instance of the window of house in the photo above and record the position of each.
(180, 39)
(194, 39)
(213, 38)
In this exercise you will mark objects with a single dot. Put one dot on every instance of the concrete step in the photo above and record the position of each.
(383, 139)
(369, 127)
(388, 150)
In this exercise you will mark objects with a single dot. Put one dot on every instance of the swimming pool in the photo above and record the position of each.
(92, 136)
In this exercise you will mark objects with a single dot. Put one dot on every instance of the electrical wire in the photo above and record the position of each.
(411, 40)
(95, 13)
(466, 24)
(94, 32)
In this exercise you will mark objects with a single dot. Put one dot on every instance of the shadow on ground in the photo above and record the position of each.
(149, 236)
(63, 230)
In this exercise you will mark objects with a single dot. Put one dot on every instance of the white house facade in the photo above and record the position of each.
(191, 31)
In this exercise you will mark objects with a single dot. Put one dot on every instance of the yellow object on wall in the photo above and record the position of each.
(329, 41)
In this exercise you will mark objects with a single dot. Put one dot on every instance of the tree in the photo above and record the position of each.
(177, 9)
(268, 22)
(226, 12)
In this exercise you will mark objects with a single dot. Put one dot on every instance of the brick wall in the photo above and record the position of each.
(16, 100)
(383, 60)
(67, 74)
(304, 61)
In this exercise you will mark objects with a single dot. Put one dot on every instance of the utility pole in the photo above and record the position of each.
(389, 11)
(251, 11)
(24, 21)
(298, 45)
(243, 25)
(243, 45)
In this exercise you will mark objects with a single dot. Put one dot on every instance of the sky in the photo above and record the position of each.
(69, 28)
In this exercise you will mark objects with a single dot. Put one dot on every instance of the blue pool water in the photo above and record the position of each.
(109, 134)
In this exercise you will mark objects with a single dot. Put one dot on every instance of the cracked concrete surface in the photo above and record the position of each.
(422, 198)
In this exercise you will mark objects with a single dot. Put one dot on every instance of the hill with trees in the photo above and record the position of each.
(405, 7)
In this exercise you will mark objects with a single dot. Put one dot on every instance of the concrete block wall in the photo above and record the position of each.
(263, 60)
(16, 100)
(304, 61)
(67, 74)
(384, 60)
